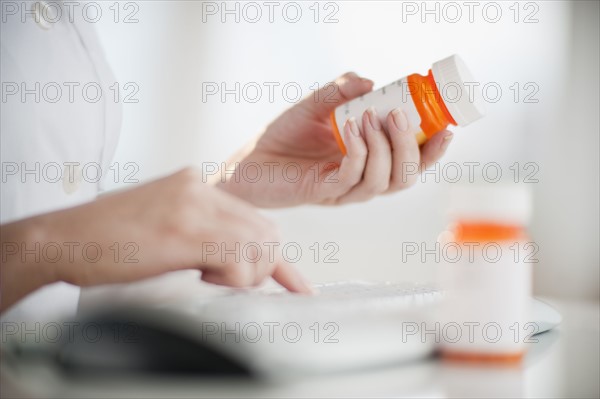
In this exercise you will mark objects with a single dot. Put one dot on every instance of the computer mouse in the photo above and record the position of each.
(133, 340)
(544, 316)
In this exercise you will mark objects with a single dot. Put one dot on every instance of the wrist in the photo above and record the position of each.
(225, 177)
(231, 187)
(24, 268)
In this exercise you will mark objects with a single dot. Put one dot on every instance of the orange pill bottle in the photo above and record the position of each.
(486, 275)
(447, 95)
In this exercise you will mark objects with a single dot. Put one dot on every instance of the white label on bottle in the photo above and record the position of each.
(487, 301)
(385, 99)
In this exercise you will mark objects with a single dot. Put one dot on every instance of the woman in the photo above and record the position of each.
(62, 219)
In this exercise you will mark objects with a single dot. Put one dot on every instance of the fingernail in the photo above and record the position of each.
(347, 131)
(446, 141)
(308, 286)
(399, 118)
(373, 118)
(369, 81)
(345, 78)
(303, 286)
(353, 126)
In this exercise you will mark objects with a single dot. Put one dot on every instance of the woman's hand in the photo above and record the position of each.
(299, 161)
(173, 223)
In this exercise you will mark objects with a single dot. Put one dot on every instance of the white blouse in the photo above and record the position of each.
(59, 127)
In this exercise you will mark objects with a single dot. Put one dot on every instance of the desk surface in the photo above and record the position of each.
(564, 363)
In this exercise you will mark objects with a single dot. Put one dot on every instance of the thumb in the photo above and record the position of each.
(345, 88)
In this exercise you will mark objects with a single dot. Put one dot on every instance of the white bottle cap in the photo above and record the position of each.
(503, 203)
(464, 103)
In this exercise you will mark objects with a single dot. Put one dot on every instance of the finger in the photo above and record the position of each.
(213, 277)
(378, 168)
(435, 148)
(343, 89)
(238, 276)
(351, 169)
(405, 151)
(287, 276)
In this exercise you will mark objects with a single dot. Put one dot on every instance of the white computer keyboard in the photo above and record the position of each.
(361, 293)
(346, 298)
(346, 324)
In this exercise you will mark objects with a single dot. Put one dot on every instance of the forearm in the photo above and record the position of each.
(22, 270)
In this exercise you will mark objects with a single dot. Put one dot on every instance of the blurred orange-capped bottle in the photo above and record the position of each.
(486, 275)
(445, 96)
